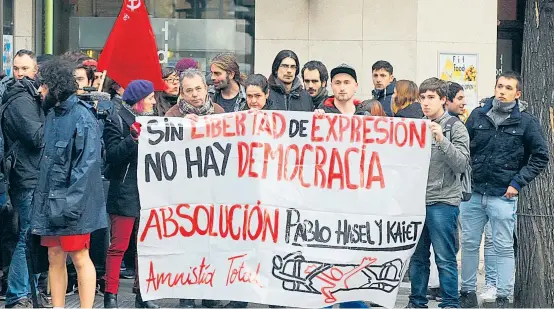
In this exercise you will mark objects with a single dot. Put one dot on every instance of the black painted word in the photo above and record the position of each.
(171, 133)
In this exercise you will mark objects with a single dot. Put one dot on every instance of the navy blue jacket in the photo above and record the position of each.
(69, 198)
(384, 96)
(511, 155)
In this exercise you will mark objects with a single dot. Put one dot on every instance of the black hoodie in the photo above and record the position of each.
(23, 121)
(297, 99)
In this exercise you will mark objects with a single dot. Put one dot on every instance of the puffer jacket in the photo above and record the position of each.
(121, 157)
(69, 197)
(449, 159)
(511, 155)
(297, 100)
(328, 106)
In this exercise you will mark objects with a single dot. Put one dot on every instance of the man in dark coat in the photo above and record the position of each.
(68, 201)
(384, 83)
(286, 90)
(22, 126)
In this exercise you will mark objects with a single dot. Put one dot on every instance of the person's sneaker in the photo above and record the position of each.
(488, 294)
(502, 302)
(22, 303)
(44, 301)
(468, 300)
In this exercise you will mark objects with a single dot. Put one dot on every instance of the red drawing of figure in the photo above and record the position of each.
(334, 279)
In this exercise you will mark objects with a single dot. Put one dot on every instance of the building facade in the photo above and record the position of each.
(411, 34)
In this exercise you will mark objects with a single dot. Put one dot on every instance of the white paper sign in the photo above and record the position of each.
(282, 208)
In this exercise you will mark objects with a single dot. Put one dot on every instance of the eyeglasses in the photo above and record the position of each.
(172, 80)
(287, 66)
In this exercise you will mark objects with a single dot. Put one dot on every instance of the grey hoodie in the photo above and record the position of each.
(449, 159)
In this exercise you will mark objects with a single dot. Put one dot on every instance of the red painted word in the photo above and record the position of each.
(242, 273)
(198, 275)
(271, 124)
(369, 130)
(331, 165)
(187, 220)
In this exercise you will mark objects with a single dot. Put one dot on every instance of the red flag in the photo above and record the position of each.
(130, 52)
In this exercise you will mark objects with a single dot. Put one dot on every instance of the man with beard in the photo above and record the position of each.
(315, 76)
(68, 203)
(227, 90)
(286, 91)
(22, 125)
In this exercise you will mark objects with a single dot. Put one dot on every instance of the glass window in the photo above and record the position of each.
(199, 29)
(8, 17)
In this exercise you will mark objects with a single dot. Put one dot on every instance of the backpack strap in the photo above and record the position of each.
(448, 127)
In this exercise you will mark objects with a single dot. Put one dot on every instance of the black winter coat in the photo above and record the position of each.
(23, 121)
(511, 155)
(411, 111)
(297, 100)
(121, 157)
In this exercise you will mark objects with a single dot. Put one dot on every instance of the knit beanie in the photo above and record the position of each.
(137, 90)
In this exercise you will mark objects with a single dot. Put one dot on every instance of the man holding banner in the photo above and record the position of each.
(449, 159)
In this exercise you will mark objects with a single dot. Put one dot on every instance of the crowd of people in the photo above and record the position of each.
(69, 167)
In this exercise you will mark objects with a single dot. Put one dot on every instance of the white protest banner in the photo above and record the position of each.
(283, 208)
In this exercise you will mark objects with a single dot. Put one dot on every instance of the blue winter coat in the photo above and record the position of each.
(69, 198)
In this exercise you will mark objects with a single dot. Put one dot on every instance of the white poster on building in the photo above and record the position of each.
(7, 54)
(462, 69)
(282, 208)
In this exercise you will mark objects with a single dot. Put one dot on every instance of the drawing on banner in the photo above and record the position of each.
(300, 275)
(462, 69)
(280, 208)
(7, 54)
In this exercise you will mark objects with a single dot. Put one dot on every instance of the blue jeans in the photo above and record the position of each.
(352, 304)
(439, 230)
(501, 213)
(18, 276)
(490, 257)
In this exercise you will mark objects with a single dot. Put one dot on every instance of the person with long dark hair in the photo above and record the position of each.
(286, 88)
(68, 202)
(167, 98)
(121, 137)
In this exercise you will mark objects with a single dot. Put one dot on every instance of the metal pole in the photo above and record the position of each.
(49, 26)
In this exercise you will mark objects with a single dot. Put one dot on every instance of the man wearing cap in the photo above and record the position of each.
(344, 83)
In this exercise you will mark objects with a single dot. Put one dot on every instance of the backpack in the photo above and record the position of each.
(465, 177)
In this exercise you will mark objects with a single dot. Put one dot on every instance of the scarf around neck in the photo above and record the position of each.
(206, 109)
(132, 111)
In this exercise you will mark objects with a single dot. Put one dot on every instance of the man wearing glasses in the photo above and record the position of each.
(286, 89)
